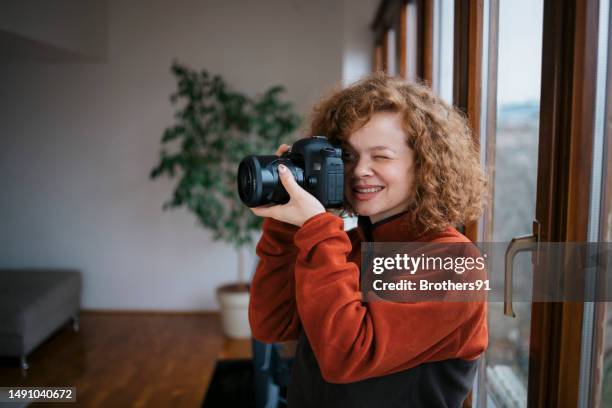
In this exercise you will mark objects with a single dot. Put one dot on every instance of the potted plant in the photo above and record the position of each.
(215, 128)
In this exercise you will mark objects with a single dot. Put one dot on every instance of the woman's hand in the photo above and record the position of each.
(282, 149)
(301, 206)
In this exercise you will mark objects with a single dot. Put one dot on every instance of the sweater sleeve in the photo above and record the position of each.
(272, 312)
(352, 340)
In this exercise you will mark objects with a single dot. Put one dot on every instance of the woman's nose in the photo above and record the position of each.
(362, 168)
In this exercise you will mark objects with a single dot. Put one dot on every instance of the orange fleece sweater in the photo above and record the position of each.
(308, 278)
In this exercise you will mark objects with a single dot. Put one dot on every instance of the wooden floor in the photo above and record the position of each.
(130, 359)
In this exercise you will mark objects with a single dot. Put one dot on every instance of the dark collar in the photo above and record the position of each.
(397, 228)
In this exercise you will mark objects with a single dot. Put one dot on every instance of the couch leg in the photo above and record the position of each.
(75, 323)
(24, 363)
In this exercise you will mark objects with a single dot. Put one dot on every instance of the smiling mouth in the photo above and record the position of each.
(367, 189)
(366, 193)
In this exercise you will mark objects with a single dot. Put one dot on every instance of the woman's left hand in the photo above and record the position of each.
(301, 206)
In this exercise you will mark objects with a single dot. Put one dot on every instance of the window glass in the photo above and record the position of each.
(444, 15)
(515, 171)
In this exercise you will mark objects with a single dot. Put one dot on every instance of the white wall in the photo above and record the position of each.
(75, 26)
(79, 139)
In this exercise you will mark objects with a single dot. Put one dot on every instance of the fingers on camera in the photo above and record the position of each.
(282, 149)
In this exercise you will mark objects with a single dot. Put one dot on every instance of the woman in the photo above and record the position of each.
(411, 174)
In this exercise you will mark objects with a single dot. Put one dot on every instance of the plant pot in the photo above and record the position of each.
(234, 301)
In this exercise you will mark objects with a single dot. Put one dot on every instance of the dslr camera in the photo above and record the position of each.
(315, 164)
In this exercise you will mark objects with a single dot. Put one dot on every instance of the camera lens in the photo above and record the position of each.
(249, 181)
(259, 182)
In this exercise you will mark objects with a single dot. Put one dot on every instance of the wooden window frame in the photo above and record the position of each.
(569, 67)
(467, 75)
(467, 82)
(394, 14)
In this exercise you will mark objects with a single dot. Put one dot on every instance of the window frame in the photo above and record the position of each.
(394, 14)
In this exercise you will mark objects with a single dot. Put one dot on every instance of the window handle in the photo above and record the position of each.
(518, 244)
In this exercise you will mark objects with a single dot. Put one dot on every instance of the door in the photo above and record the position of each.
(512, 58)
(537, 140)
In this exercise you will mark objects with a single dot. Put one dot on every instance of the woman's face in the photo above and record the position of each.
(379, 168)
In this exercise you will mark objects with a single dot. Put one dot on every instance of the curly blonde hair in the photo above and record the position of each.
(449, 182)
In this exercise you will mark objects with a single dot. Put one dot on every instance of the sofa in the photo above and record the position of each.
(34, 303)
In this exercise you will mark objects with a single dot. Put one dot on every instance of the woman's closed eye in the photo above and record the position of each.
(349, 157)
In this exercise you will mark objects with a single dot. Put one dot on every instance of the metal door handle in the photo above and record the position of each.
(518, 244)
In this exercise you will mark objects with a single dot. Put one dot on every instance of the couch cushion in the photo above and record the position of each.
(29, 298)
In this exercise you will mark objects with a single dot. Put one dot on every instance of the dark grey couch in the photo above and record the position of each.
(34, 303)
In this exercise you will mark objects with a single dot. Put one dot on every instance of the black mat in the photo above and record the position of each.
(231, 385)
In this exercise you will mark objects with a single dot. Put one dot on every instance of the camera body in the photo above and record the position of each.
(315, 164)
